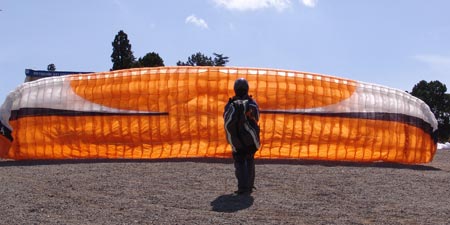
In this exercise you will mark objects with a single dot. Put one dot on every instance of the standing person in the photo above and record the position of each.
(241, 117)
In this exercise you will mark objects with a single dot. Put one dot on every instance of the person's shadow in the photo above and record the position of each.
(231, 203)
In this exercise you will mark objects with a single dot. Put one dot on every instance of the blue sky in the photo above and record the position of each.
(392, 43)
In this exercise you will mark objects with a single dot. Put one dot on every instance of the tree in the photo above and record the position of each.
(220, 60)
(122, 57)
(151, 59)
(199, 59)
(51, 67)
(433, 94)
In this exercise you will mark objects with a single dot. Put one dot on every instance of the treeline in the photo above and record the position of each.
(122, 57)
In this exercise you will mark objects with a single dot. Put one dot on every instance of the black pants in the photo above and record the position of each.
(244, 165)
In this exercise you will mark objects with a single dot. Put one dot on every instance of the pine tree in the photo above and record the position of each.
(220, 60)
(122, 57)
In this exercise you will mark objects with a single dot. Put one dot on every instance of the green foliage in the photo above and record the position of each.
(151, 59)
(199, 59)
(51, 67)
(433, 94)
(220, 60)
(122, 57)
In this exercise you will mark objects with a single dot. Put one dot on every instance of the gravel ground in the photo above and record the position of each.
(198, 191)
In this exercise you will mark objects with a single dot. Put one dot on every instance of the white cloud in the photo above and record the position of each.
(310, 3)
(249, 5)
(192, 19)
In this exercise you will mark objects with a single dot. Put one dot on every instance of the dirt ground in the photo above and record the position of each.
(199, 192)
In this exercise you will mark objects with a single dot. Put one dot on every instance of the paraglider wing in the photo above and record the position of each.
(176, 112)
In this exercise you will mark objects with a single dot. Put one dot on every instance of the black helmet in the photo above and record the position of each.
(241, 87)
